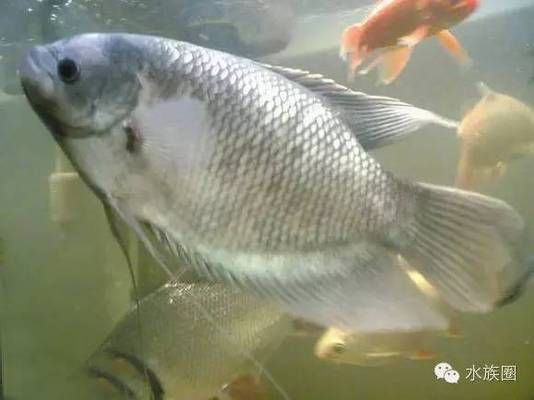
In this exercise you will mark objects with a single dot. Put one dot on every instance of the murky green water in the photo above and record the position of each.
(65, 283)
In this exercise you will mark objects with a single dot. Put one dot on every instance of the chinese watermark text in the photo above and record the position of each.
(477, 373)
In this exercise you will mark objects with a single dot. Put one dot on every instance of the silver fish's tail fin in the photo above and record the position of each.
(522, 285)
(465, 244)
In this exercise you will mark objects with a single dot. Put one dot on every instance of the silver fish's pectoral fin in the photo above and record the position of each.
(119, 218)
(153, 240)
(375, 120)
(357, 288)
(121, 231)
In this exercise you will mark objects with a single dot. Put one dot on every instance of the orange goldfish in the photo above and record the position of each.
(497, 130)
(394, 27)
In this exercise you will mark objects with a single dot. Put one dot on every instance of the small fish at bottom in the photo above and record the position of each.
(182, 356)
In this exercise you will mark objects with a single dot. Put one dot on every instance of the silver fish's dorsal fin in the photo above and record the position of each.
(375, 120)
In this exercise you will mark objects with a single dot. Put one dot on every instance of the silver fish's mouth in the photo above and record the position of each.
(35, 73)
(37, 77)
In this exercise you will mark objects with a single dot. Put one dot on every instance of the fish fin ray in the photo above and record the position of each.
(393, 63)
(454, 47)
(172, 258)
(114, 210)
(350, 42)
(415, 37)
(375, 120)
(372, 65)
(466, 245)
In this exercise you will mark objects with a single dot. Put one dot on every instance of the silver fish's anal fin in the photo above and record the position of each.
(375, 120)
(465, 244)
(356, 288)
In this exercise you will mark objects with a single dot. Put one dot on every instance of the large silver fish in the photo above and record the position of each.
(182, 356)
(260, 176)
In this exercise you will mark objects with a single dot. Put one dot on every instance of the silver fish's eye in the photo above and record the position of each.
(68, 70)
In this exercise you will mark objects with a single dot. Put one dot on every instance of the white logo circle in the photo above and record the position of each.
(452, 376)
(441, 369)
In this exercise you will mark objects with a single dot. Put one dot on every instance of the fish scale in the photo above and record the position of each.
(183, 354)
(310, 189)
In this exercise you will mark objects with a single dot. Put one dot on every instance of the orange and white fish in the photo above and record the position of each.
(374, 349)
(394, 27)
(497, 130)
